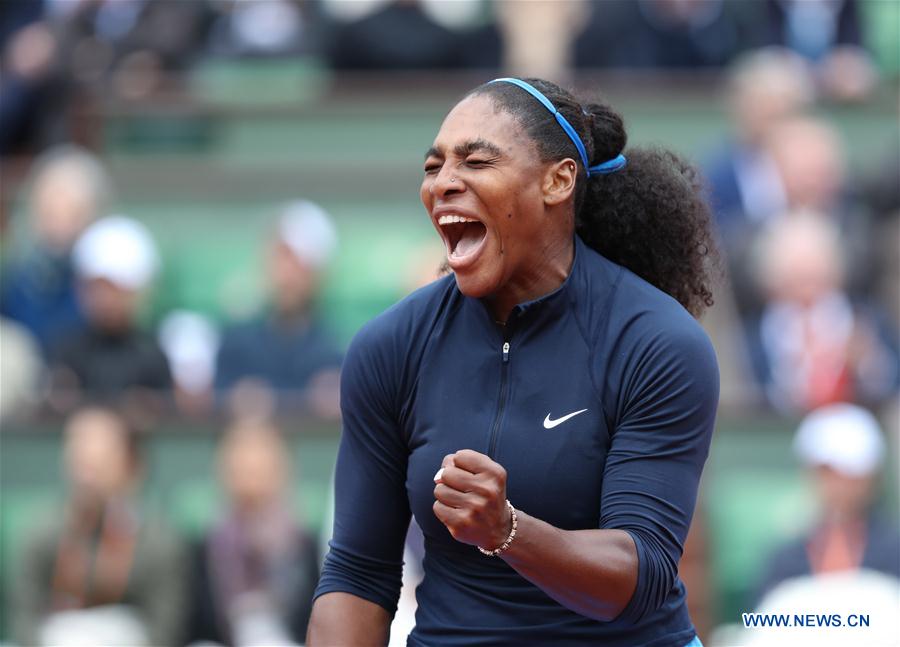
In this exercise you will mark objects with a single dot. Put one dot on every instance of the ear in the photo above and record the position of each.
(559, 181)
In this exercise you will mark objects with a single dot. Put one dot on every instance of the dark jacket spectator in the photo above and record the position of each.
(843, 447)
(68, 190)
(286, 354)
(115, 260)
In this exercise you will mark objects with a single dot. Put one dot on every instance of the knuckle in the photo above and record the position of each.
(491, 487)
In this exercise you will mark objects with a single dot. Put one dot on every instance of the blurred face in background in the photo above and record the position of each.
(801, 261)
(253, 468)
(293, 283)
(769, 87)
(99, 462)
(808, 155)
(843, 497)
(110, 307)
(67, 194)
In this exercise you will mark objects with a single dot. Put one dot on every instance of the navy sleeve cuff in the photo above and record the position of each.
(370, 579)
(656, 577)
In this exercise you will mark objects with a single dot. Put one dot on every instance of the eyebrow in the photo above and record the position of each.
(468, 148)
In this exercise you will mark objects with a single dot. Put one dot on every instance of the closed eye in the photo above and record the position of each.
(479, 162)
(432, 167)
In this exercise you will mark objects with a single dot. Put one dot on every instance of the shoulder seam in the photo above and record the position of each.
(591, 343)
(402, 412)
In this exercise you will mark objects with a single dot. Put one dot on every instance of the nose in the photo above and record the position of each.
(446, 183)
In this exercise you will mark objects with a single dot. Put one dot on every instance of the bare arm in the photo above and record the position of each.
(592, 572)
(346, 619)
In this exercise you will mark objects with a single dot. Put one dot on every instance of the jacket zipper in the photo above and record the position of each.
(501, 405)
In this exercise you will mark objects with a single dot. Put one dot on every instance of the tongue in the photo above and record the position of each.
(473, 234)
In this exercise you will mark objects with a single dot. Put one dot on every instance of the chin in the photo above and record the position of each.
(475, 284)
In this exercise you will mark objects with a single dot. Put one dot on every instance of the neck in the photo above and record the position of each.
(540, 279)
(290, 314)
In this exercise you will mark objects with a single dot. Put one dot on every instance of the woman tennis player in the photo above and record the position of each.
(546, 410)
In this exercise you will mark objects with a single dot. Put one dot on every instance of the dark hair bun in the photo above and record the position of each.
(607, 130)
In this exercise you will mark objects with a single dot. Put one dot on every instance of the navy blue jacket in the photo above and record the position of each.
(434, 374)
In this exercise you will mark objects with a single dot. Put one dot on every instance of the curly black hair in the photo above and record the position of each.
(650, 216)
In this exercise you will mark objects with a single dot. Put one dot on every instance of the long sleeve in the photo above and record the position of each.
(664, 423)
(371, 505)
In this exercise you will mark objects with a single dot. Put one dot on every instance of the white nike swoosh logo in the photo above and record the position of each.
(550, 424)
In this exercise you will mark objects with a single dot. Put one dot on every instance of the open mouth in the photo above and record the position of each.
(462, 235)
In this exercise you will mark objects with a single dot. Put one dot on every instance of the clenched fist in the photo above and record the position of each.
(470, 495)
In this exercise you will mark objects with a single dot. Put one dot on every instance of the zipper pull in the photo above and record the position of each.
(505, 352)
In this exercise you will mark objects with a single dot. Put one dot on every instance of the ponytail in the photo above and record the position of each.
(651, 218)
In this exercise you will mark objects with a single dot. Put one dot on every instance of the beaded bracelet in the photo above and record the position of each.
(508, 541)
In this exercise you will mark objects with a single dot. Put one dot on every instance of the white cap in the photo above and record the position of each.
(307, 230)
(844, 437)
(117, 249)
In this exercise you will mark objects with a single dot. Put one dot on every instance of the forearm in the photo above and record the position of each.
(346, 619)
(592, 572)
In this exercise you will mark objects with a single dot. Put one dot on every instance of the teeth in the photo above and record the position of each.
(450, 219)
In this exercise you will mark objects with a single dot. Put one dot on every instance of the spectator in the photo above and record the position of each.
(33, 91)
(843, 447)
(103, 571)
(811, 161)
(256, 570)
(285, 355)
(813, 345)
(69, 189)
(808, 157)
(110, 357)
(763, 88)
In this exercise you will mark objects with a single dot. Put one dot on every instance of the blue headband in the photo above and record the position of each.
(610, 166)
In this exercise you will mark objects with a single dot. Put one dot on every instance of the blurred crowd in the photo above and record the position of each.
(71, 304)
(106, 570)
(57, 51)
(810, 243)
(810, 295)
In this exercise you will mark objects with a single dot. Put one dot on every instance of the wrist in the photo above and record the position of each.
(511, 535)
